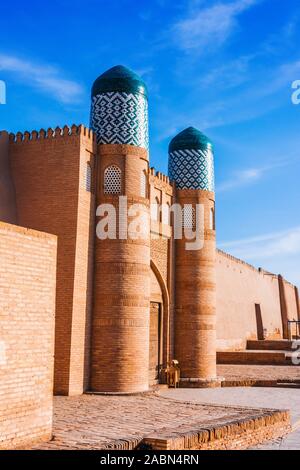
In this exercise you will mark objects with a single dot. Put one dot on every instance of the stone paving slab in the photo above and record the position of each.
(101, 422)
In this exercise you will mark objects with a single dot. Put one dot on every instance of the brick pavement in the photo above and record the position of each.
(278, 398)
(256, 372)
(291, 442)
(99, 422)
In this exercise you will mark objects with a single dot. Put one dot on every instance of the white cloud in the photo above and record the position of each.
(265, 92)
(266, 246)
(241, 178)
(229, 75)
(278, 252)
(42, 77)
(209, 27)
(250, 175)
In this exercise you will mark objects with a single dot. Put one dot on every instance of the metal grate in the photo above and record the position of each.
(112, 180)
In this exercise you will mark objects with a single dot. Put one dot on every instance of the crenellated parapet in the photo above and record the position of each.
(52, 133)
(160, 181)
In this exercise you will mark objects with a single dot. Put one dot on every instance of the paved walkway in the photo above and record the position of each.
(242, 372)
(278, 398)
(101, 422)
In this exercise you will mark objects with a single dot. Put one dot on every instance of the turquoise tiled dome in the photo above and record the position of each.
(191, 160)
(190, 138)
(119, 111)
(119, 78)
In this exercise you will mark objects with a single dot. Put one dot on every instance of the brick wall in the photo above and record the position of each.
(239, 287)
(48, 169)
(27, 305)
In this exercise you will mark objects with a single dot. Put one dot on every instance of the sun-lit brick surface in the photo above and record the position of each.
(279, 398)
(27, 307)
(242, 372)
(98, 422)
(48, 170)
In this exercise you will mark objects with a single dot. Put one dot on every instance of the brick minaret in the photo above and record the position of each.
(120, 338)
(191, 166)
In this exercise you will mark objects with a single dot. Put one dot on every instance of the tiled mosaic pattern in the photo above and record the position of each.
(192, 169)
(120, 118)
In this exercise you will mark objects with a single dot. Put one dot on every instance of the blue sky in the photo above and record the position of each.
(225, 67)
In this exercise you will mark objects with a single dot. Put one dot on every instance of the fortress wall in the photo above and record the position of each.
(49, 174)
(239, 287)
(27, 309)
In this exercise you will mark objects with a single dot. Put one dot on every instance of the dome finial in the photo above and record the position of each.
(190, 138)
(119, 78)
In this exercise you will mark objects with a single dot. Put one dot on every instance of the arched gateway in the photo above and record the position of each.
(159, 326)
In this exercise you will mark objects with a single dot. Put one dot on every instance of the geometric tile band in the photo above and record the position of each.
(192, 169)
(120, 118)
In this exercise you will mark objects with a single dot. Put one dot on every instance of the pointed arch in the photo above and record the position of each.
(165, 313)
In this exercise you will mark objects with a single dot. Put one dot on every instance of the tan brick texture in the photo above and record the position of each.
(49, 173)
(195, 330)
(27, 306)
(120, 340)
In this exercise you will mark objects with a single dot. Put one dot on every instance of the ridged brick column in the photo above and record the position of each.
(120, 336)
(191, 167)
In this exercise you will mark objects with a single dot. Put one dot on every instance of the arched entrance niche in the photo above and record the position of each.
(159, 326)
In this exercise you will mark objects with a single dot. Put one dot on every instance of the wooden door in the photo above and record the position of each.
(154, 347)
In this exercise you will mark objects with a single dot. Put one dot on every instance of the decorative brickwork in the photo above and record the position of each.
(120, 339)
(159, 254)
(195, 306)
